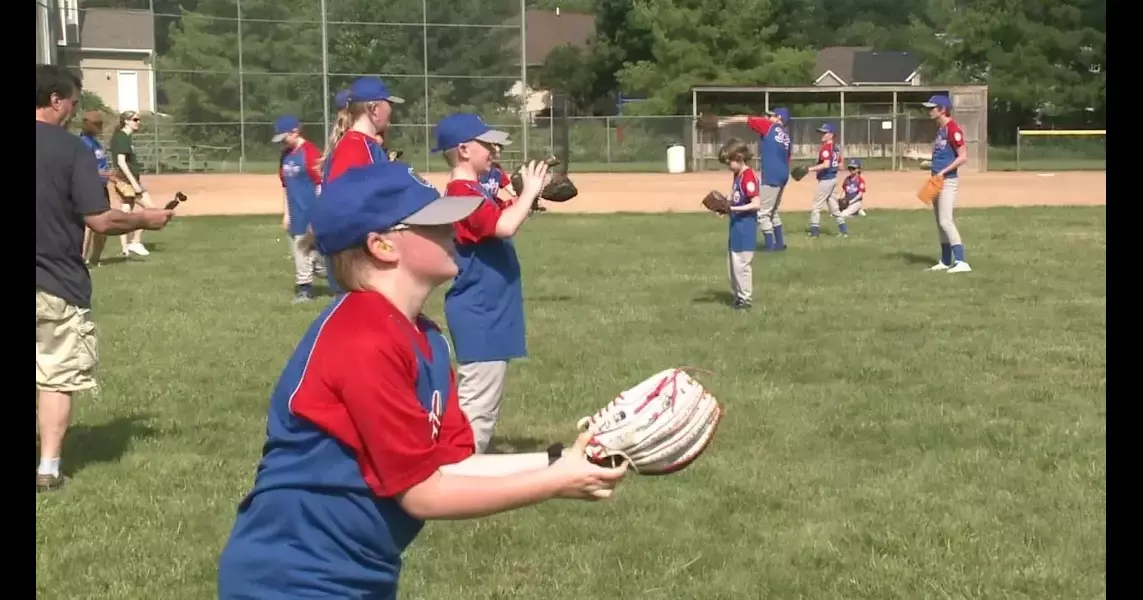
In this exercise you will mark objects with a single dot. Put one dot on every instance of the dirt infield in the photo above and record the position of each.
(232, 194)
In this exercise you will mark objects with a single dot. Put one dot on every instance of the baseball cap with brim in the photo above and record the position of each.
(341, 100)
(941, 101)
(371, 89)
(782, 113)
(283, 125)
(379, 197)
(853, 163)
(459, 128)
(825, 128)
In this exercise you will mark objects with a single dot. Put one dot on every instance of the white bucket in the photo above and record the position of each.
(677, 159)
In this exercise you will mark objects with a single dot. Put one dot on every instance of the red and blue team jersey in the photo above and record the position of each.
(366, 408)
(852, 186)
(355, 149)
(775, 150)
(744, 224)
(485, 305)
(101, 159)
(494, 180)
(949, 139)
(300, 179)
(831, 155)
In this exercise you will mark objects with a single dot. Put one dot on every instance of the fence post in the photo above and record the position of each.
(241, 96)
(607, 126)
(324, 71)
(524, 75)
(895, 152)
(1017, 149)
(425, 73)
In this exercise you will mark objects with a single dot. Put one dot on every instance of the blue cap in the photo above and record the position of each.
(941, 101)
(781, 112)
(826, 128)
(378, 197)
(371, 89)
(283, 125)
(341, 100)
(853, 163)
(459, 128)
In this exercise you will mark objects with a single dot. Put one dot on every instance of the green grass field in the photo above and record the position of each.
(891, 433)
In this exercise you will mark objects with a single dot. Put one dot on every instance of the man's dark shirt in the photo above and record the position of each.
(67, 188)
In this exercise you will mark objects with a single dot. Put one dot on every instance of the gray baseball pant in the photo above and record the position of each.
(480, 387)
(852, 209)
(768, 218)
(303, 261)
(943, 211)
(741, 275)
(823, 199)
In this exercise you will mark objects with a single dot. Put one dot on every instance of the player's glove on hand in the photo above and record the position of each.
(394, 155)
(842, 203)
(716, 202)
(931, 189)
(657, 427)
(799, 172)
(559, 189)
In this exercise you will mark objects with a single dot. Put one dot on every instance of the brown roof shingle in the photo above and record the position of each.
(838, 59)
(112, 28)
(548, 30)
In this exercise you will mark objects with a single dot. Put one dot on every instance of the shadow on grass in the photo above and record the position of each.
(715, 297)
(514, 445)
(86, 445)
(911, 258)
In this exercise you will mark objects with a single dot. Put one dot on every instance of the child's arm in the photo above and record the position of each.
(513, 216)
(749, 186)
(446, 495)
(823, 161)
(755, 204)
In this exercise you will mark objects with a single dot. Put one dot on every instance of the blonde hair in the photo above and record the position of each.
(346, 117)
(346, 267)
(92, 123)
(452, 157)
(125, 116)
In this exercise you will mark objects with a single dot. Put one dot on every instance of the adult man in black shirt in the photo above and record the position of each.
(69, 195)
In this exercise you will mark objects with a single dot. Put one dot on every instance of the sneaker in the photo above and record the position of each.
(49, 483)
(939, 267)
(741, 305)
(139, 249)
(861, 213)
(960, 267)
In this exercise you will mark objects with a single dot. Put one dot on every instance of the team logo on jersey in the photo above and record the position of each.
(750, 187)
(291, 169)
(781, 136)
(491, 186)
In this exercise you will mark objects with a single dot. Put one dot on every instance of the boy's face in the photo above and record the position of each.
(478, 154)
(736, 165)
(427, 253)
(380, 113)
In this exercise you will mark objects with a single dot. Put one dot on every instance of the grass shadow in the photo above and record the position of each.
(515, 445)
(715, 297)
(911, 258)
(86, 445)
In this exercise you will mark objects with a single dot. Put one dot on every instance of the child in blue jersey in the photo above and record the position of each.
(301, 181)
(776, 150)
(89, 134)
(949, 154)
(829, 159)
(364, 438)
(743, 237)
(485, 305)
(853, 189)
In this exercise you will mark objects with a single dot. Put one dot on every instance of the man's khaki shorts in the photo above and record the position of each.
(67, 351)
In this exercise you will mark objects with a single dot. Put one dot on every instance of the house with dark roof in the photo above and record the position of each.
(113, 50)
(860, 66)
(546, 30)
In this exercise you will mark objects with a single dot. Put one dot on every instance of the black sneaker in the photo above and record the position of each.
(741, 305)
(303, 293)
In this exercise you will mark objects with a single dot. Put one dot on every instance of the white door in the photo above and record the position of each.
(128, 91)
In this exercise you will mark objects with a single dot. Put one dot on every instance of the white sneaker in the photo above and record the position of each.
(939, 267)
(138, 248)
(861, 212)
(960, 267)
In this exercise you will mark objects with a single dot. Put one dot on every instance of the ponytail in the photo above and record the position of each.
(340, 127)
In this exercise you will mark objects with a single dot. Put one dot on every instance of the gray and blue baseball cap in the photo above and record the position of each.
(283, 125)
(853, 163)
(826, 128)
(942, 101)
(371, 89)
(781, 112)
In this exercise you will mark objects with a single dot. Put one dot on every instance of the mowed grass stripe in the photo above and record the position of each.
(890, 433)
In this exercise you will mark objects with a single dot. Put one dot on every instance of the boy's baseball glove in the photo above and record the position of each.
(716, 202)
(930, 190)
(657, 427)
(558, 188)
(842, 203)
(394, 155)
(799, 172)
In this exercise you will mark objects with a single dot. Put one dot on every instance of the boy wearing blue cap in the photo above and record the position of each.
(485, 305)
(298, 171)
(853, 189)
(364, 438)
(949, 153)
(775, 149)
(368, 105)
(829, 159)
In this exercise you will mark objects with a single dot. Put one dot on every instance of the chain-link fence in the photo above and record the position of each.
(220, 73)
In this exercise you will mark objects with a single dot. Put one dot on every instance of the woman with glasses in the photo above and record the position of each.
(126, 178)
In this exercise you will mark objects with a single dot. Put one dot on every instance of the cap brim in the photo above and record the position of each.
(494, 136)
(396, 100)
(929, 104)
(445, 210)
(279, 137)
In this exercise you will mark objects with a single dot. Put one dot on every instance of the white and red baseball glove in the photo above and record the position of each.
(657, 427)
